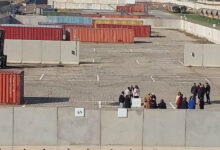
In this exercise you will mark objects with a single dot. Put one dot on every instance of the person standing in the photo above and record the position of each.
(127, 103)
(136, 92)
(153, 102)
(192, 103)
(184, 104)
(194, 90)
(177, 99)
(201, 94)
(122, 99)
(162, 104)
(147, 101)
(207, 92)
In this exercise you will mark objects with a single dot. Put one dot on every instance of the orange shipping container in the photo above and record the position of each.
(11, 86)
(102, 35)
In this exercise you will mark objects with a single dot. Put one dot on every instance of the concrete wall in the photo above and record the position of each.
(45, 52)
(35, 126)
(78, 130)
(142, 129)
(206, 55)
(121, 131)
(163, 23)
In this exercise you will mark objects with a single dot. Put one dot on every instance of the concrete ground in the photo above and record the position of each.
(155, 64)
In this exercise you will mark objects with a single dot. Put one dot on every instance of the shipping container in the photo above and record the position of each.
(67, 27)
(120, 16)
(139, 31)
(23, 32)
(132, 8)
(114, 21)
(102, 35)
(70, 20)
(11, 86)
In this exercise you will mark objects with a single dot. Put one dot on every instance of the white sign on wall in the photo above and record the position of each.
(79, 112)
(136, 102)
(122, 112)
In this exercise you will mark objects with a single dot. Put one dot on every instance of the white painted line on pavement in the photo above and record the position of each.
(137, 62)
(131, 50)
(93, 60)
(41, 77)
(94, 49)
(180, 62)
(152, 78)
(207, 80)
(172, 106)
(97, 78)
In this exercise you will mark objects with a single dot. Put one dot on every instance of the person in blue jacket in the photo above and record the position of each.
(192, 103)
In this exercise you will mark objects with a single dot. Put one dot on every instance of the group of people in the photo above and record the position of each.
(134, 92)
(127, 95)
(199, 91)
(150, 100)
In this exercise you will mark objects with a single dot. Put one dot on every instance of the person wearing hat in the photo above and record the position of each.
(207, 92)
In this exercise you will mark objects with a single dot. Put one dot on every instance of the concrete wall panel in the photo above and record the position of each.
(164, 128)
(69, 52)
(78, 130)
(211, 55)
(121, 131)
(51, 52)
(13, 50)
(193, 55)
(6, 126)
(32, 51)
(35, 126)
(202, 129)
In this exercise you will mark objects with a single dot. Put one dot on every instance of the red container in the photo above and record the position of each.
(11, 86)
(132, 8)
(91, 15)
(139, 31)
(120, 16)
(102, 35)
(33, 32)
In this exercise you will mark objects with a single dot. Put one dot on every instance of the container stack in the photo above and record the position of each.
(11, 86)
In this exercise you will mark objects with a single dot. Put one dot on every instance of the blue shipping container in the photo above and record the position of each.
(70, 20)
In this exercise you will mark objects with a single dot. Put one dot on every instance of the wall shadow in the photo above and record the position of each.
(40, 100)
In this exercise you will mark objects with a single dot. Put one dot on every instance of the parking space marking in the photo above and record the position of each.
(94, 49)
(41, 77)
(180, 62)
(93, 60)
(207, 80)
(152, 78)
(172, 106)
(97, 78)
(137, 62)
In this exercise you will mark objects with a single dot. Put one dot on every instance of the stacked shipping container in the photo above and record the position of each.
(70, 20)
(11, 86)
(139, 31)
(119, 22)
(110, 16)
(22, 32)
(102, 35)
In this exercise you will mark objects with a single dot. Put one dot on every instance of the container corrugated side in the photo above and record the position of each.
(102, 35)
(114, 21)
(70, 20)
(139, 31)
(32, 33)
(11, 86)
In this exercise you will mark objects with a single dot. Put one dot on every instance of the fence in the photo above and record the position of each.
(102, 129)
(44, 52)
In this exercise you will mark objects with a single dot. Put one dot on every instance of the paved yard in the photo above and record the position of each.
(155, 64)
